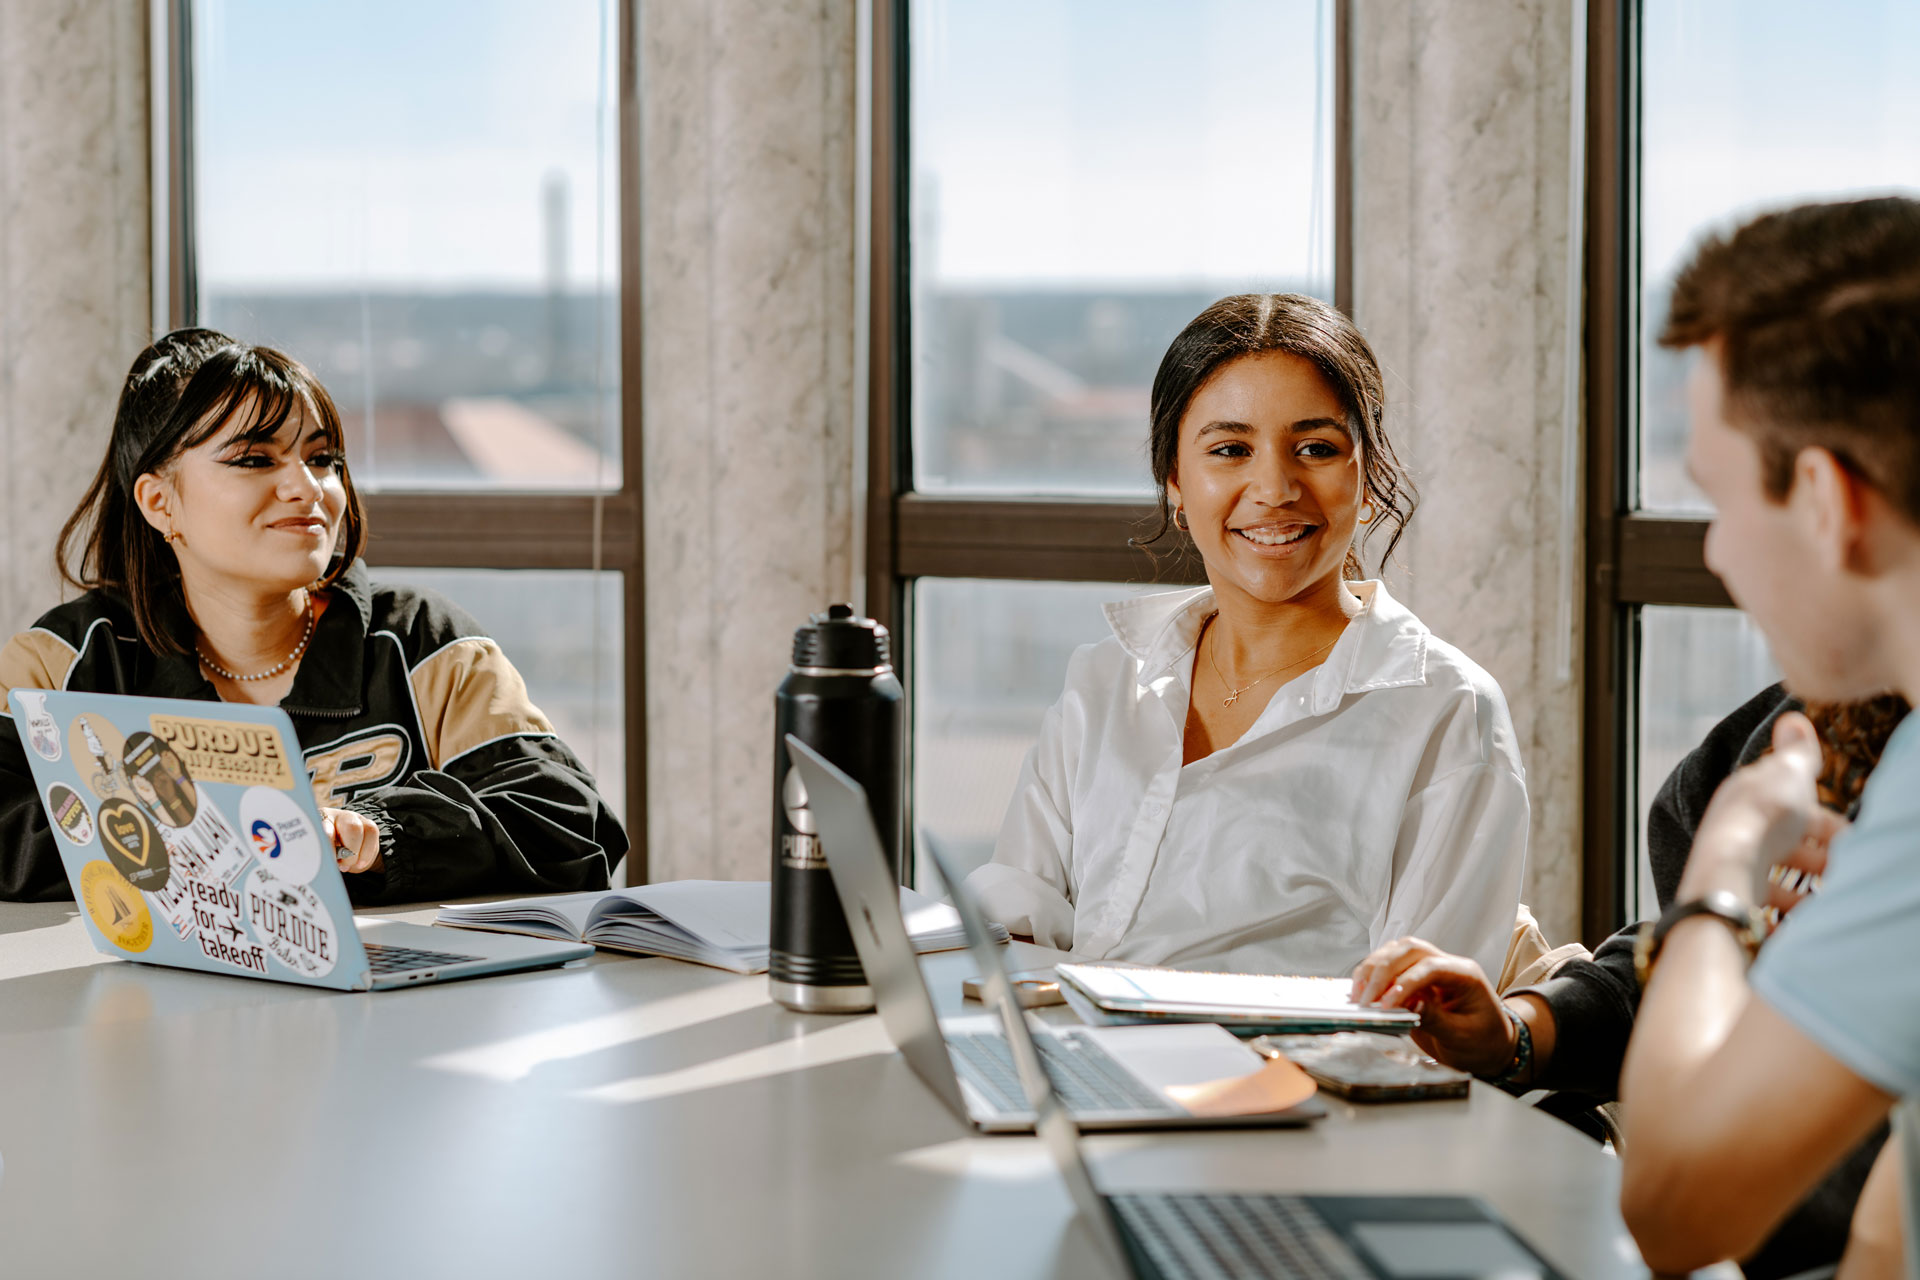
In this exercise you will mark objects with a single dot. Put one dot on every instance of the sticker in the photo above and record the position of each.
(216, 919)
(115, 908)
(134, 845)
(175, 902)
(228, 751)
(211, 836)
(160, 780)
(96, 747)
(297, 926)
(42, 732)
(70, 813)
(284, 842)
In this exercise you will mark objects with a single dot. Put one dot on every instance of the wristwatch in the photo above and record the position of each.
(1522, 1049)
(1741, 916)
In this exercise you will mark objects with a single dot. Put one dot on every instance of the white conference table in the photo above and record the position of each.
(623, 1117)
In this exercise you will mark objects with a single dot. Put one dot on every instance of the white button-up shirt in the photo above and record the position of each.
(1379, 794)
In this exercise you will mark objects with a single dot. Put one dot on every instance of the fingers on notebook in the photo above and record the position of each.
(1379, 973)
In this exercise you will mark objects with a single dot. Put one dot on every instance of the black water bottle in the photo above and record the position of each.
(841, 698)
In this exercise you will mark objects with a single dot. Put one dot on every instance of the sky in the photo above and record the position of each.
(1056, 142)
(1121, 141)
(1753, 103)
(404, 142)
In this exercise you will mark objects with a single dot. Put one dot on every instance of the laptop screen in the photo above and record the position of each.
(1051, 1119)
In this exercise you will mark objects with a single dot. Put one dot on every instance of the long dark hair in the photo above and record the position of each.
(181, 392)
(1249, 324)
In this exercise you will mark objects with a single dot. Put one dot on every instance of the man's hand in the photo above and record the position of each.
(1462, 1021)
(1766, 813)
(355, 840)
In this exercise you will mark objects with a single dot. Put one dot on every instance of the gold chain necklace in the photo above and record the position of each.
(1233, 694)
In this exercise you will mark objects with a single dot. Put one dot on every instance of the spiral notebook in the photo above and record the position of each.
(723, 923)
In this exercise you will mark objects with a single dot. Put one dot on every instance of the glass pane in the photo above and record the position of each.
(1747, 105)
(561, 630)
(420, 202)
(1696, 666)
(989, 658)
(1087, 176)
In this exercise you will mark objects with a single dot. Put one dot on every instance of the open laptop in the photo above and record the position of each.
(1112, 1077)
(189, 833)
(1229, 1235)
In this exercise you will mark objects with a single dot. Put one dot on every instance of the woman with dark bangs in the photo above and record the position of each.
(218, 549)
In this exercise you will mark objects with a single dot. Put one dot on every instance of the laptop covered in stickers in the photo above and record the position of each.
(191, 838)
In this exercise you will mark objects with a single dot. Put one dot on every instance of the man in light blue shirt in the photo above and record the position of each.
(1741, 1090)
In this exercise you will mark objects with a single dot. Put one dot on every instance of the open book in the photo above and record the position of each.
(723, 923)
(1244, 1003)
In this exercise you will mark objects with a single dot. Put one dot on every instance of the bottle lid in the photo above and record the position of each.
(839, 641)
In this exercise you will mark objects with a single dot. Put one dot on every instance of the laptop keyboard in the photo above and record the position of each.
(1225, 1237)
(1085, 1074)
(385, 959)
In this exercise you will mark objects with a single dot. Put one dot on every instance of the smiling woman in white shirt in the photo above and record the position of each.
(1284, 769)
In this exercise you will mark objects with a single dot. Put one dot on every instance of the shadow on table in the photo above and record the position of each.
(852, 1160)
(117, 991)
(25, 917)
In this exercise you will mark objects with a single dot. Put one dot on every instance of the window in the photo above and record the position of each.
(430, 205)
(1690, 132)
(1057, 189)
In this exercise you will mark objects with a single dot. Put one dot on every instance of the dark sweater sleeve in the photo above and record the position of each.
(1594, 1001)
(30, 869)
(520, 815)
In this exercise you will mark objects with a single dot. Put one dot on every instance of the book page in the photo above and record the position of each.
(560, 915)
(732, 914)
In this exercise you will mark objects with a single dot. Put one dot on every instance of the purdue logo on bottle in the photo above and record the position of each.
(841, 698)
(800, 847)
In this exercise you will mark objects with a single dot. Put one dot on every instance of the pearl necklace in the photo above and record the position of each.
(277, 667)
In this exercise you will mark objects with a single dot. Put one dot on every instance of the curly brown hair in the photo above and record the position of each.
(1852, 736)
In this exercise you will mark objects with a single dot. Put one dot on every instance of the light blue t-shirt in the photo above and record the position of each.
(1842, 967)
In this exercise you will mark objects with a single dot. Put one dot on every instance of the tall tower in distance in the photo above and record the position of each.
(553, 209)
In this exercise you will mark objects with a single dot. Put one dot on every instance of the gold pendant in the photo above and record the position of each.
(1231, 699)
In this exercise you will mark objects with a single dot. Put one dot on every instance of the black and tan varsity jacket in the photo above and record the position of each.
(406, 712)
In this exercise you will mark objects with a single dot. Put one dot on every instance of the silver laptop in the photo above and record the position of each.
(1231, 1235)
(1112, 1077)
(189, 833)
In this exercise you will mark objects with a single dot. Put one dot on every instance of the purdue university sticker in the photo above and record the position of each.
(294, 923)
(115, 908)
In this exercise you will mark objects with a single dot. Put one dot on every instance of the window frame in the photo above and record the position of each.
(1632, 559)
(470, 529)
(910, 534)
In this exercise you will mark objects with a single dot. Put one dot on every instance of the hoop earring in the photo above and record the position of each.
(1180, 519)
(1367, 512)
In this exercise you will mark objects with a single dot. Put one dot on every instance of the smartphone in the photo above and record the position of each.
(1366, 1067)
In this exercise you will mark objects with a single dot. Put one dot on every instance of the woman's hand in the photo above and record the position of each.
(1462, 1022)
(355, 839)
